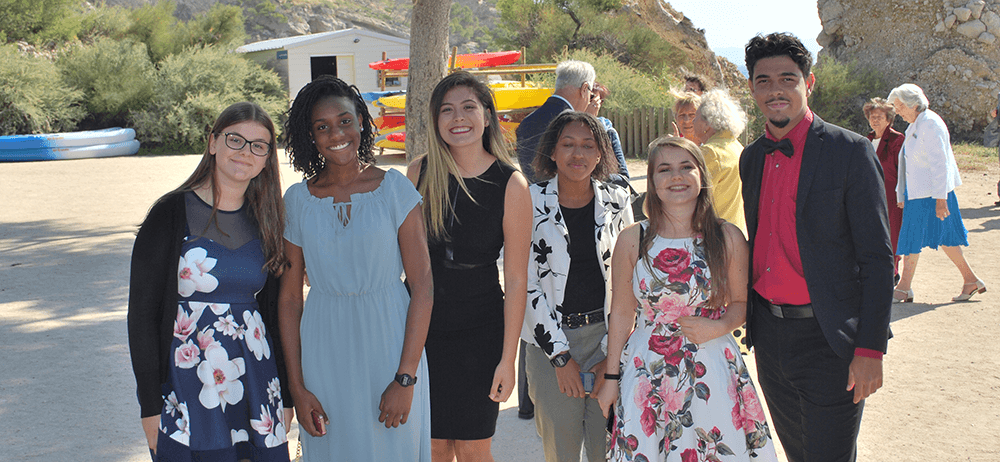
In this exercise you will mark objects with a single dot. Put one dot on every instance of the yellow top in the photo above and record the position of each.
(722, 159)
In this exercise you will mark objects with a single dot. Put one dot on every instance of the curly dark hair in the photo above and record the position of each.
(298, 129)
(545, 167)
(778, 44)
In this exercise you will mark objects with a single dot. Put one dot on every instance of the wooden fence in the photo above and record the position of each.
(639, 126)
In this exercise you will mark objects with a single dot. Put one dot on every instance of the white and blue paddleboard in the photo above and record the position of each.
(109, 142)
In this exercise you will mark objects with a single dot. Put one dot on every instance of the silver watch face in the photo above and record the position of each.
(405, 380)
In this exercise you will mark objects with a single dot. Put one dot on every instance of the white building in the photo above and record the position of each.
(342, 53)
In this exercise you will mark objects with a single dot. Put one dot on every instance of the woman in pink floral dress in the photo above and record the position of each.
(683, 392)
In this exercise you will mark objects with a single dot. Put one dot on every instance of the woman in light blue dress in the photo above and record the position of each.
(355, 348)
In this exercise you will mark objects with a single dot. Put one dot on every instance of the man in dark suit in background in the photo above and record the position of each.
(821, 262)
(574, 86)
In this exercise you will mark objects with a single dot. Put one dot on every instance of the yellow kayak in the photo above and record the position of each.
(507, 98)
(396, 137)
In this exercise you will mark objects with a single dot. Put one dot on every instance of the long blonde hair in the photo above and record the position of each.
(704, 221)
(433, 184)
(263, 194)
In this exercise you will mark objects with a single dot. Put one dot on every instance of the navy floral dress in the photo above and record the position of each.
(223, 398)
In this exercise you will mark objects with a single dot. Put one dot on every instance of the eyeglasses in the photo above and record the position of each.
(236, 141)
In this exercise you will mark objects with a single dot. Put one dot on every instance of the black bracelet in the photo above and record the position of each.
(612, 376)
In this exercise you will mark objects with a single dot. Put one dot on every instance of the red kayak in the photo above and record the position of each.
(390, 121)
(498, 58)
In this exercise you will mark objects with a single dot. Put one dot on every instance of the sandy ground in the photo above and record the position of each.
(67, 391)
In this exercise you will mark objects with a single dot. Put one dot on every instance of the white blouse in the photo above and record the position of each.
(927, 165)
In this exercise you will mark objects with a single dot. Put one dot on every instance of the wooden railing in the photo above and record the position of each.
(638, 127)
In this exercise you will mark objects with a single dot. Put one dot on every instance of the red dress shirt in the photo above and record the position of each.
(777, 264)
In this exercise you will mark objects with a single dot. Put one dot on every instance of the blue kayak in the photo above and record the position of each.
(108, 142)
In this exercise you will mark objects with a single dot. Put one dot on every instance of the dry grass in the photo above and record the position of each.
(974, 157)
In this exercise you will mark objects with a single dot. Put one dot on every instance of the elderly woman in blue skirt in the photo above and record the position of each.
(928, 176)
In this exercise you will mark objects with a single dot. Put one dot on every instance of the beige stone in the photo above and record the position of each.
(992, 21)
(971, 29)
(963, 14)
(831, 27)
(977, 8)
(987, 38)
(949, 21)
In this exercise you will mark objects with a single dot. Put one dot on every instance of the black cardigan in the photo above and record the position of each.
(152, 303)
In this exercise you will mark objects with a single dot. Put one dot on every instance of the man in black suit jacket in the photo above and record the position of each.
(821, 262)
(574, 86)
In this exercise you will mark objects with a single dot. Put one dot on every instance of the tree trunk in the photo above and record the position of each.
(428, 56)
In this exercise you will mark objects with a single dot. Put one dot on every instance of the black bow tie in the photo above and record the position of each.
(785, 146)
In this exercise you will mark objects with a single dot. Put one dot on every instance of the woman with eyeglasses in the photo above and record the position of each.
(203, 334)
(356, 367)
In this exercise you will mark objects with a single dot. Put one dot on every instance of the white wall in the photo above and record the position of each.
(352, 59)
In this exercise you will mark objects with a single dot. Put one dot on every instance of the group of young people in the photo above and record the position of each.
(625, 320)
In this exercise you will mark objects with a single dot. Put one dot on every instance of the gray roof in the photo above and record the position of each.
(300, 40)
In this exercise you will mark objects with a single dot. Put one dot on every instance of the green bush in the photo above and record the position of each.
(194, 86)
(155, 25)
(222, 24)
(33, 99)
(116, 77)
(842, 89)
(107, 21)
(39, 21)
(629, 87)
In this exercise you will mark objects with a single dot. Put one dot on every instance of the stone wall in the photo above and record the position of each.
(950, 48)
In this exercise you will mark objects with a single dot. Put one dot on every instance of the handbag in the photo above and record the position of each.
(991, 137)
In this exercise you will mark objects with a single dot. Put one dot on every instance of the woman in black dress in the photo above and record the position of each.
(475, 203)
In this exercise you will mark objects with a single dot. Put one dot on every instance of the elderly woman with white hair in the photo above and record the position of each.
(928, 176)
(717, 123)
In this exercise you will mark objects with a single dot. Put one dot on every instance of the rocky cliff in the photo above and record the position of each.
(950, 48)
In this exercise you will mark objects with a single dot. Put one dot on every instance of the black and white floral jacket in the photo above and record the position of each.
(549, 259)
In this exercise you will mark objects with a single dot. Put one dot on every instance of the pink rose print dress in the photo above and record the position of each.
(223, 398)
(682, 401)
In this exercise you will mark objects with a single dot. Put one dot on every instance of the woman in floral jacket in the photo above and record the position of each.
(202, 308)
(577, 218)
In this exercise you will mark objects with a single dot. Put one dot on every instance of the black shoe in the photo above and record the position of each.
(895, 280)
(525, 415)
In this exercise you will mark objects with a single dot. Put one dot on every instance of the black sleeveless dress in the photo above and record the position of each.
(465, 340)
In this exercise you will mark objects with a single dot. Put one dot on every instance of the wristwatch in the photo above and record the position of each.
(405, 379)
(561, 359)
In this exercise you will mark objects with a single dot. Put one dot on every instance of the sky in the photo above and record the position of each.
(729, 24)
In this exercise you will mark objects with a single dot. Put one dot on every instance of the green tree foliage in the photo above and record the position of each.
(39, 20)
(33, 99)
(842, 89)
(194, 86)
(465, 25)
(156, 26)
(629, 88)
(544, 27)
(222, 25)
(109, 21)
(116, 77)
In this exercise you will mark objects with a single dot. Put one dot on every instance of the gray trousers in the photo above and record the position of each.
(565, 424)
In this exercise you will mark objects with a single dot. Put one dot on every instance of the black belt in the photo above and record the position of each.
(787, 311)
(573, 321)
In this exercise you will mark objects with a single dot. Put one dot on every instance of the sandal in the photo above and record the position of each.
(907, 296)
(978, 287)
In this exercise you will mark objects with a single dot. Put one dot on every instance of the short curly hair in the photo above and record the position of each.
(298, 128)
(879, 104)
(778, 44)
